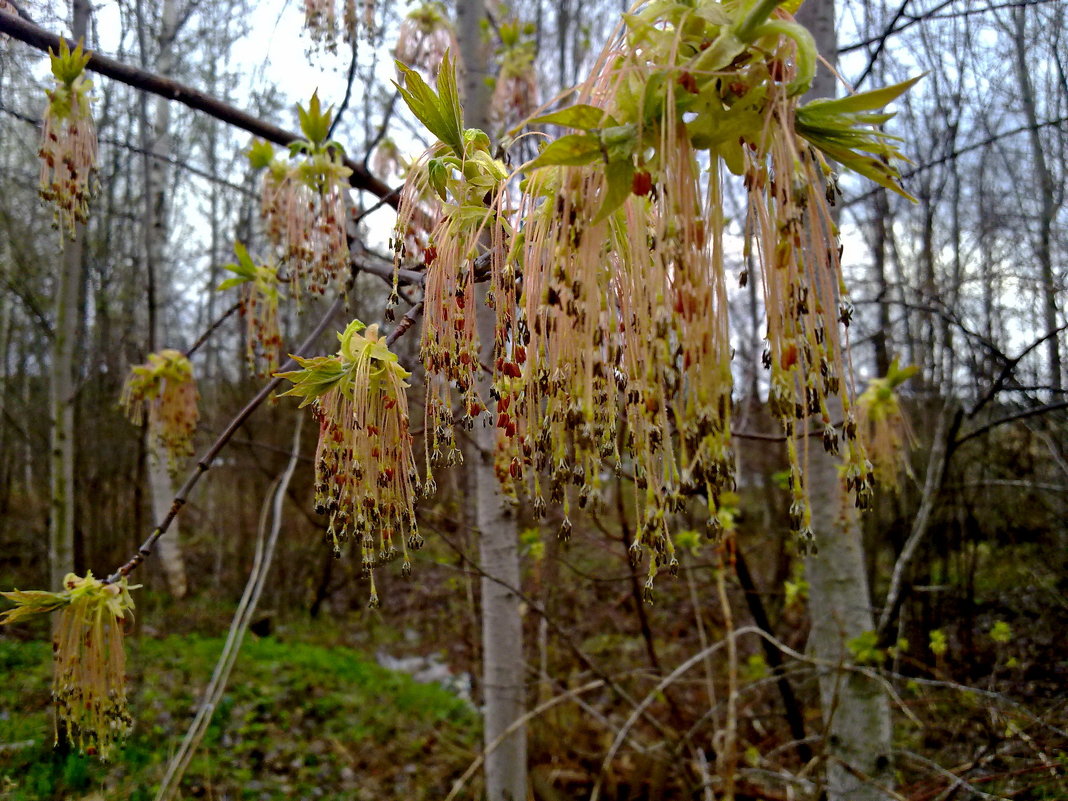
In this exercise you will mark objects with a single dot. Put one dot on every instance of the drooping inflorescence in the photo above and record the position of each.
(89, 684)
(885, 426)
(164, 391)
(68, 142)
(321, 20)
(426, 35)
(618, 332)
(365, 477)
(304, 204)
(459, 184)
(259, 306)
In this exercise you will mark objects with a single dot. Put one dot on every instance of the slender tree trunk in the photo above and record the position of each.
(502, 627)
(161, 486)
(1047, 194)
(856, 713)
(61, 411)
(881, 337)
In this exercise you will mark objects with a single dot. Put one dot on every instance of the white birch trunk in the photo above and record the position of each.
(856, 712)
(503, 667)
(62, 389)
(161, 487)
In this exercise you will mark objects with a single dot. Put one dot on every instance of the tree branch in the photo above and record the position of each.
(39, 38)
(1033, 412)
(205, 461)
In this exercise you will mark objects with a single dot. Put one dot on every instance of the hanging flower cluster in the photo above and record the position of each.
(304, 203)
(321, 21)
(89, 685)
(68, 144)
(451, 183)
(365, 477)
(515, 91)
(164, 391)
(426, 35)
(621, 331)
(883, 421)
(259, 306)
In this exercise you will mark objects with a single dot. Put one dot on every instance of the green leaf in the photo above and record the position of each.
(582, 116)
(862, 101)
(619, 142)
(450, 100)
(572, 150)
(620, 178)
(246, 265)
(315, 123)
(442, 115)
(68, 65)
(230, 283)
(260, 154)
(438, 175)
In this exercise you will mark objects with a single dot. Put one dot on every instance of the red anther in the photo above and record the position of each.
(641, 184)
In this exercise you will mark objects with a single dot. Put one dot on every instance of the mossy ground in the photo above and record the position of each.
(297, 721)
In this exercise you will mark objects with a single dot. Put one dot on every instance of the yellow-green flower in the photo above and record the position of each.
(89, 684)
(68, 141)
(365, 478)
(164, 391)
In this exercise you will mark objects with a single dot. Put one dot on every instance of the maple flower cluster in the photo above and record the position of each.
(321, 21)
(165, 391)
(450, 184)
(619, 332)
(365, 477)
(885, 425)
(304, 204)
(89, 683)
(259, 307)
(426, 35)
(68, 142)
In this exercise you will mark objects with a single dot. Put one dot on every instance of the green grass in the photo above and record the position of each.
(297, 721)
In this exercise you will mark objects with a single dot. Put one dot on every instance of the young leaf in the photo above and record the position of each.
(862, 101)
(315, 123)
(582, 116)
(260, 154)
(441, 115)
(572, 150)
(619, 180)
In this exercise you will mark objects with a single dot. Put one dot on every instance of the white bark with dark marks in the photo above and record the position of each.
(503, 666)
(856, 712)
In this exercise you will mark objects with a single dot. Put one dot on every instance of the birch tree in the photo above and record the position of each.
(856, 711)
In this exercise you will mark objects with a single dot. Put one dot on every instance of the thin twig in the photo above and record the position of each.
(211, 329)
(205, 461)
(936, 472)
(246, 608)
(406, 322)
(458, 785)
(1034, 412)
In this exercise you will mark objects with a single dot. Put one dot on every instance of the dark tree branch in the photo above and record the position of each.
(41, 39)
(1034, 412)
(211, 329)
(348, 96)
(406, 322)
(913, 19)
(880, 44)
(1010, 365)
(794, 715)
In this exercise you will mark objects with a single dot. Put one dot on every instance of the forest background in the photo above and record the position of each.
(965, 560)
